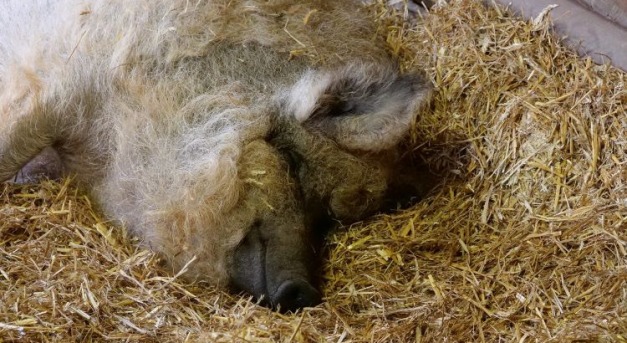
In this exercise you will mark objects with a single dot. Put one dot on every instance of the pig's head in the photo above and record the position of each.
(327, 158)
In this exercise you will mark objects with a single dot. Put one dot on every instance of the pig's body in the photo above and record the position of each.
(183, 119)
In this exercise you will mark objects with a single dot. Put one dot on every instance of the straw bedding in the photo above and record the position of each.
(524, 239)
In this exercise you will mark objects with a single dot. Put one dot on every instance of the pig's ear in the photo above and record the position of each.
(362, 107)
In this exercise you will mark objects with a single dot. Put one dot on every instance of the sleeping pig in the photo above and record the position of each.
(224, 134)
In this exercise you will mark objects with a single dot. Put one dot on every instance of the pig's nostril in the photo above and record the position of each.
(295, 294)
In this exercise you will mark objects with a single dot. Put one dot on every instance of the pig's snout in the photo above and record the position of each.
(273, 263)
(293, 295)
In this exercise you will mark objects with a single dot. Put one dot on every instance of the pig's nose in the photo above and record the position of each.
(295, 294)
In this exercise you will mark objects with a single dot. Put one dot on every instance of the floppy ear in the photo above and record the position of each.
(364, 107)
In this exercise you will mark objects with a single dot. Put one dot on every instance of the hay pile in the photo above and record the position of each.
(524, 240)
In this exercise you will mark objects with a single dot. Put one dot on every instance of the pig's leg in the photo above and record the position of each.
(26, 138)
(46, 165)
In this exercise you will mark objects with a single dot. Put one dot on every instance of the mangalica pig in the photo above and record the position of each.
(224, 134)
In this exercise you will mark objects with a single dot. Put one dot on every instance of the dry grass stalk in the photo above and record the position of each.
(525, 240)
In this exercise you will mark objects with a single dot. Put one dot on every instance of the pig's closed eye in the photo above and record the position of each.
(293, 159)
